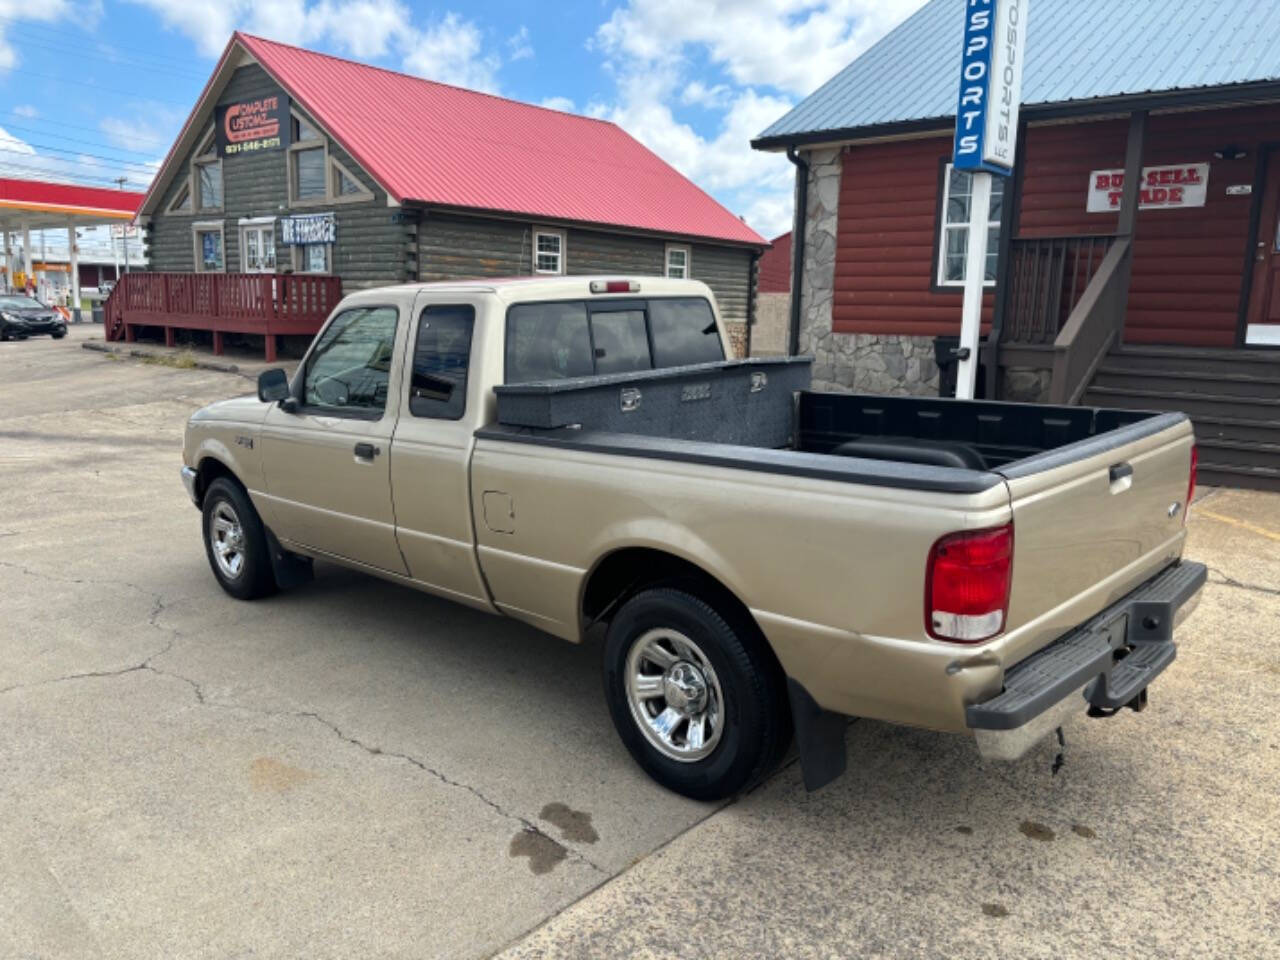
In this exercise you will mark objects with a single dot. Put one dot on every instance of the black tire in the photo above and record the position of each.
(253, 577)
(756, 721)
(58, 335)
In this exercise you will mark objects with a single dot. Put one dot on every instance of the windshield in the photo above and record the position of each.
(20, 303)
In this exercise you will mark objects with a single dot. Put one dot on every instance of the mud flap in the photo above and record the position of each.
(290, 569)
(819, 738)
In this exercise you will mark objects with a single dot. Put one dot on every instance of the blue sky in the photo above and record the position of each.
(93, 90)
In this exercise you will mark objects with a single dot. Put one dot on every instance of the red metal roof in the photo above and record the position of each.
(437, 144)
(775, 266)
(43, 196)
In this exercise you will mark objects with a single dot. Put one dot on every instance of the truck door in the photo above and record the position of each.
(327, 463)
(431, 451)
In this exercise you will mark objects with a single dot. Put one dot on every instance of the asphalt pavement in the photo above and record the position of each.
(352, 769)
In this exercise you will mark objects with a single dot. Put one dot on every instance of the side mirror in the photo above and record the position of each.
(273, 385)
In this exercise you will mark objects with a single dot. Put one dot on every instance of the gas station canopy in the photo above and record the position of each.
(39, 205)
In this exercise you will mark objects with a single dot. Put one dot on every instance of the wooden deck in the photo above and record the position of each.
(264, 304)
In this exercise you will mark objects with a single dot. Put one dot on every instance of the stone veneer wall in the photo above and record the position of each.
(853, 362)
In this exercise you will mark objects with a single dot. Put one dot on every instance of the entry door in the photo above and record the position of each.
(1264, 298)
(328, 463)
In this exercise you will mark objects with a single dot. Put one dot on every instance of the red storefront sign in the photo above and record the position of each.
(1163, 188)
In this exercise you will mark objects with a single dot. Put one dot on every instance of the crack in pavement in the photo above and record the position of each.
(158, 607)
(1229, 581)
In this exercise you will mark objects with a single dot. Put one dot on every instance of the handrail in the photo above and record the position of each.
(1093, 326)
(1045, 278)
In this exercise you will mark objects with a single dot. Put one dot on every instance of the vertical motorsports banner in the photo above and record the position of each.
(253, 125)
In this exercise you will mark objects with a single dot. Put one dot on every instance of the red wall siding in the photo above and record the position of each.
(1188, 264)
(886, 233)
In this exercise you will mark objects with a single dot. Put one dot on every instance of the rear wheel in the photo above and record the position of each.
(236, 542)
(59, 334)
(695, 695)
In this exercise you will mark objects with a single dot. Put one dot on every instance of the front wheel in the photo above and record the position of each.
(695, 695)
(236, 542)
(59, 334)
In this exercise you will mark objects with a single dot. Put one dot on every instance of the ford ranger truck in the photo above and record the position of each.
(759, 561)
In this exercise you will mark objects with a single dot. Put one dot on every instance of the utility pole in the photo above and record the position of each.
(124, 232)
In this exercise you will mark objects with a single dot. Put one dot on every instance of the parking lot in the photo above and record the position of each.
(351, 769)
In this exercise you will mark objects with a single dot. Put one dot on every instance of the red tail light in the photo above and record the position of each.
(967, 585)
(614, 286)
(1191, 482)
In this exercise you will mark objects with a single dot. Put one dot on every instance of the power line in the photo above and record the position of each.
(150, 155)
(158, 68)
(28, 27)
(7, 165)
(74, 126)
(100, 89)
(81, 153)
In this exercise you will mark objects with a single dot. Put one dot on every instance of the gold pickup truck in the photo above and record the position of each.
(758, 560)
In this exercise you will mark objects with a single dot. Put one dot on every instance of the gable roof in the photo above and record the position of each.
(1077, 51)
(431, 143)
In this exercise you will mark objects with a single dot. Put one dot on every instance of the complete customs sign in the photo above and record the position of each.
(990, 85)
(252, 125)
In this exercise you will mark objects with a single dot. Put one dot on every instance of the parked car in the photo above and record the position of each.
(757, 558)
(22, 316)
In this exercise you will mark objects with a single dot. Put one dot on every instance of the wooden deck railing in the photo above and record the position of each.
(1094, 325)
(1047, 278)
(266, 304)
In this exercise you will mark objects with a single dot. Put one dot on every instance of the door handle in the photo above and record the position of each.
(366, 451)
(1121, 477)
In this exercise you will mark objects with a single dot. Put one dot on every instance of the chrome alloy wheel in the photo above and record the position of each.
(226, 536)
(674, 695)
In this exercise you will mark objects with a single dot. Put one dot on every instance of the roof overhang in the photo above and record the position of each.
(1221, 97)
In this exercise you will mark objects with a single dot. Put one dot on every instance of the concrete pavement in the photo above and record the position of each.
(351, 769)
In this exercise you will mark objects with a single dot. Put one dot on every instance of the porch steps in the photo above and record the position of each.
(1232, 397)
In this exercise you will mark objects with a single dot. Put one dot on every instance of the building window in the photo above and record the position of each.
(209, 185)
(953, 241)
(346, 186)
(308, 174)
(677, 262)
(311, 258)
(207, 238)
(548, 251)
(182, 202)
(258, 245)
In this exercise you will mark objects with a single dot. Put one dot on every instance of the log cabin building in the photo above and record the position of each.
(1134, 255)
(299, 176)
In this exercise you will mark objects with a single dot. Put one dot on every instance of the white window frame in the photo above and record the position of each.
(207, 226)
(688, 260)
(331, 166)
(257, 224)
(564, 251)
(944, 227)
(207, 156)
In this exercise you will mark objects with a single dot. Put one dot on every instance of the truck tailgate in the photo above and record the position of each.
(1091, 521)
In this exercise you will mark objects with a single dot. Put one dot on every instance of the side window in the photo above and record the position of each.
(438, 387)
(684, 331)
(547, 341)
(347, 371)
(621, 343)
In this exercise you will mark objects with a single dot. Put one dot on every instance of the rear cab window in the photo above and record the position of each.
(563, 339)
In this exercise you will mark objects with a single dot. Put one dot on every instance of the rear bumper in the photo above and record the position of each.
(1105, 663)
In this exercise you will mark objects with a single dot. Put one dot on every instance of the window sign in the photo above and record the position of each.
(1168, 187)
(211, 249)
(252, 125)
(315, 261)
(309, 228)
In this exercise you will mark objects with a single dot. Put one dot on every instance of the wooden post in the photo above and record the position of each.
(169, 340)
(1129, 202)
(217, 343)
(270, 339)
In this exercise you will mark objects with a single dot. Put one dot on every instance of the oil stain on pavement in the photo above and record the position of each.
(574, 825)
(543, 852)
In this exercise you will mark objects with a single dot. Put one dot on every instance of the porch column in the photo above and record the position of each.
(1129, 201)
(8, 262)
(75, 272)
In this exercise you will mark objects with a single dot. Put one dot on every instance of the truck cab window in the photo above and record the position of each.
(548, 341)
(347, 371)
(438, 384)
(684, 331)
(621, 343)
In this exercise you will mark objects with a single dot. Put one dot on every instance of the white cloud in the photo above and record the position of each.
(449, 49)
(519, 45)
(13, 12)
(559, 103)
(26, 110)
(768, 52)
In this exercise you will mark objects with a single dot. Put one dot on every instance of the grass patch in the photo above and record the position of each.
(185, 360)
